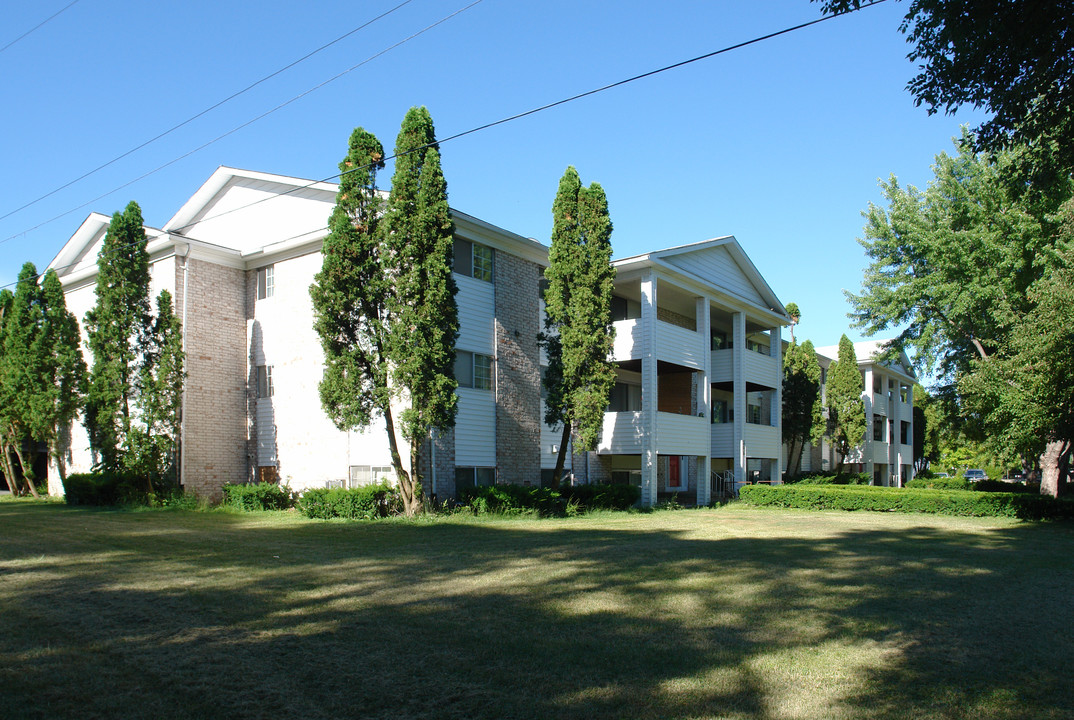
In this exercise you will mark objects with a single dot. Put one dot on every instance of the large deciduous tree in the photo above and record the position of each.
(803, 407)
(846, 410)
(958, 267)
(578, 330)
(117, 328)
(1014, 58)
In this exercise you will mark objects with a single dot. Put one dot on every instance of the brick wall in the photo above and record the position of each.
(676, 393)
(518, 377)
(215, 395)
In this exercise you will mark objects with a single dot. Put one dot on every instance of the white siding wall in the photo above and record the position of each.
(681, 434)
(679, 345)
(722, 366)
(761, 369)
(475, 428)
(622, 433)
(718, 267)
(723, 440)
(762, 441)
(477, 305)
(310, 449)
(630, 342)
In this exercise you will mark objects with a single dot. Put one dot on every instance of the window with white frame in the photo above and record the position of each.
(473, 370)
(362, 475)
(266, 282)
(474, 259)
(264, 381)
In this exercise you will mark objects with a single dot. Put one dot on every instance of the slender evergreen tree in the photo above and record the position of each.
(25, 382)
(116, 329)
(6, 400)
(351, 294)
(578, 330)
(419, 236)
(154, 439)
(846, 411)
(803, 408)
(66, 369)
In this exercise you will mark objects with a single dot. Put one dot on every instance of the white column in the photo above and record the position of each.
(649, 387)
(704, 480)
(867, 444)
(909, 410)
(776, 342)
(738, 357)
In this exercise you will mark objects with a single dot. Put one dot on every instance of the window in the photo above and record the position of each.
(823, 376)
(362, 475)
(264, 381)
(468, 477)
(756, 347)
(625, 398)
(624, 309)
(473, 260)
(753, 414)
(719, 340)
(878, 427)
(719, 410)
(266, 282)
(473, 370)
(878, 384)
(904, 393)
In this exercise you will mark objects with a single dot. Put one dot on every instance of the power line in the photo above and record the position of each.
(207, 110)
(245, 124)
(517, 116)
(37, 26)
(557, 103)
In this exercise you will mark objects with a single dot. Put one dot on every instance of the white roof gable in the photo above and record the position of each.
(720, 263)
(867, 352)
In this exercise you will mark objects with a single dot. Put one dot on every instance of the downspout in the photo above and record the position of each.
(182, 410)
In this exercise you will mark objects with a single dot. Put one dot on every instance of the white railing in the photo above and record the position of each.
(679, 345)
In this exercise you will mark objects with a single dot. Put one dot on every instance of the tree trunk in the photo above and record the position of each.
(28, 477)
(791, 471)
(798, 462)
(1050, 465)
(9, 469)
(406, 482)
(561, 456)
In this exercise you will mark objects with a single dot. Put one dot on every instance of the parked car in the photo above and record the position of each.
(941, 475)
(975, 475)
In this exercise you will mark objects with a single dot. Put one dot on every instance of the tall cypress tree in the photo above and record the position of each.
(6, 400)
(418, 237)
(25, 384)
(803, 409)
(578, 331)
(117, 328)
(154, 440)
(350, 294)
(846, 411)
(67, 370)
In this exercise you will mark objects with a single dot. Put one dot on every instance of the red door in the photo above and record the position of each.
(674, 472)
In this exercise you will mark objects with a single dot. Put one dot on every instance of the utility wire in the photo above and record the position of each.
(207, 110)
(245, 124)
(551, 105)
(557, 103)
(37, 26)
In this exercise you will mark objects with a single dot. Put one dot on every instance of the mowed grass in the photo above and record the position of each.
(731, 613)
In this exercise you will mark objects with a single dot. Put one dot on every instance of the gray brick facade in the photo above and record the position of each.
(214, 440)
(518, 373)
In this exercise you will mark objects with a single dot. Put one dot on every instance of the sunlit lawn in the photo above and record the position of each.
(732, 613)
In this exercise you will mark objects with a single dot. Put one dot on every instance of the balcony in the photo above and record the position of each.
(679, 345)
(623, 434)
(762, 369)
(630, 342)
(762, 441)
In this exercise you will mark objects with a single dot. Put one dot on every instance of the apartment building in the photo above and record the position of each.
(697, 352)
(887, 453)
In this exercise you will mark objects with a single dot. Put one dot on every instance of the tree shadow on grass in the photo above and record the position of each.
(211, 615)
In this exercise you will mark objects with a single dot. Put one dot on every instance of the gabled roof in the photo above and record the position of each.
(719, 263)
(867, 353)
(77, 259)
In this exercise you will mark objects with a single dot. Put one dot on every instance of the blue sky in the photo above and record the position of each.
(780, 143)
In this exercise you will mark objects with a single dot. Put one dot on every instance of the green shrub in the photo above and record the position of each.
(943, 502)
(833, 478)
(365, 503)
(940, 483)
(602, 496)
(262, 496)
(508, 499)
(101, 488)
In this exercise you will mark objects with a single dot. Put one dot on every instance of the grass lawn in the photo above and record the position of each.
(730, 613)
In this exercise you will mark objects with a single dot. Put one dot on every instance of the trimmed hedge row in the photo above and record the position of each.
(364, 503)
(940, 502)
(940, 483)
(512, 499)
(831, 478)
(262, 496)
